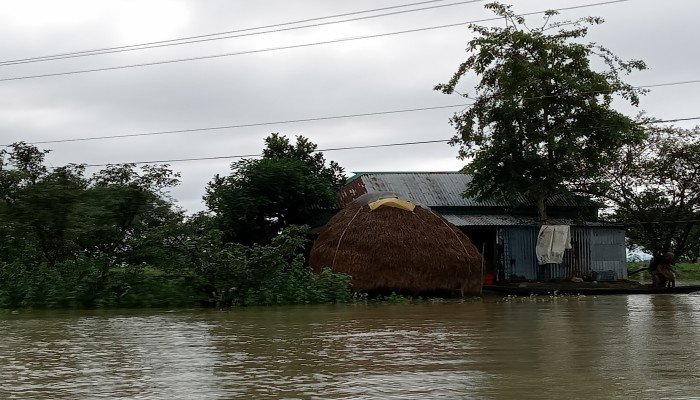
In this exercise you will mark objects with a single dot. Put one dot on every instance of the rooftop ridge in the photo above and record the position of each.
(361, 173)
(444, 189)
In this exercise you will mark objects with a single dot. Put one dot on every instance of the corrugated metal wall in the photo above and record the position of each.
(608, 251)
(578, 258)
(519, 252)
(593, 249)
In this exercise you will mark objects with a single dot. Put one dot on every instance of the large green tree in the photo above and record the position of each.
(654, 188)
(290, 185)
(37, 207)
(542, 116)
(115, 238)
(59, 214)
(69, 239)
(122, 207)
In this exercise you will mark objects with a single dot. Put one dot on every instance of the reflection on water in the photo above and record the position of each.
(606, 347)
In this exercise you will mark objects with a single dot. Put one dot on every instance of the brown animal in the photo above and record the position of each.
(669, 276)
(663, 274)
(670, 259)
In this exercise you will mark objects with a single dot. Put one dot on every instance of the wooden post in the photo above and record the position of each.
(483, 261)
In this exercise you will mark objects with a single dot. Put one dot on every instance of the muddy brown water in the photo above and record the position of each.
(642, 347)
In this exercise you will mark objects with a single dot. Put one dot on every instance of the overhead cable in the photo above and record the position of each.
(662, 222)
(323, 118)
(220, 33)
(215, 128)
(303, 45)
(342, 148)
(228, 35)
(259, 155)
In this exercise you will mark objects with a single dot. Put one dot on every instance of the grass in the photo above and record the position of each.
(686, 271)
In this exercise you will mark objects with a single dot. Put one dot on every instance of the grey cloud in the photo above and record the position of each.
(352, 77)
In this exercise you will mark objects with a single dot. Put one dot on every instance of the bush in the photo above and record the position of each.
(233, 274)
(272, 274)
(78, 284)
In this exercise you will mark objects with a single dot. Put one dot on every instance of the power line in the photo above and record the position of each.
(347, 39)
(669, 84)
(664, 121)
(205, 38)
(657, 222)
(214, 128)
(220, 33)
(674, 120)
(341, 148)
(323, 118)
(259, 154)
(84, 71)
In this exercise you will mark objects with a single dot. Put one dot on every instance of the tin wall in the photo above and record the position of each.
(519, 252)
(608, 251)
(593, 249)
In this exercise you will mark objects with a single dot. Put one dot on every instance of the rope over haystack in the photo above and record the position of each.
(392, 248)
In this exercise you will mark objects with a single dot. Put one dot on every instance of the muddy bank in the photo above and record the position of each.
(584, 288)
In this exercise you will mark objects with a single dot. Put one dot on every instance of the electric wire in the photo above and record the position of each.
(339, 148)
(322, 118)
(670, 84)
(297, 46)
(693, 221)
(237, 35)
(249, 125)
(221, 33)
(371, 146)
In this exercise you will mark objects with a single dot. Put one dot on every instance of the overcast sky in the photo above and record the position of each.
(351, 77)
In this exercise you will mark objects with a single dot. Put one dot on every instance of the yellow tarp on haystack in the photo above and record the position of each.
(392, 202)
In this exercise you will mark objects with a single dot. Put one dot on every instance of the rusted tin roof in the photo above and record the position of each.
(514, 220)
(489, 220)
(433, 189)
(429, 188)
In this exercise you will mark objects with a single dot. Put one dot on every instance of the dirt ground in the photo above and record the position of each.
(567, 284)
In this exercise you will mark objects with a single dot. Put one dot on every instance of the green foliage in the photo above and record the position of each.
(394, 298)
(541, 122)
(654, 188)
(37, 207)
(271, 274)
(26, 284)
(78, 284)
(290, 185)
(115, 239)
(687, 272)
(58, 215)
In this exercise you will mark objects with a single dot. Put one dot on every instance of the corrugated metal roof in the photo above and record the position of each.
(512, 220)
(500, 220)
(486, 220)
(441, 189)
(431, 189)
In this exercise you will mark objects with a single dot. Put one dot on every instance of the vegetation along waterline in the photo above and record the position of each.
(687, 272)
(116, 239)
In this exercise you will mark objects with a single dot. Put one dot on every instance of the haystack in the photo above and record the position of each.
(389, 244)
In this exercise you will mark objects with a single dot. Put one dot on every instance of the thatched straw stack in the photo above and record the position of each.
(394, 249)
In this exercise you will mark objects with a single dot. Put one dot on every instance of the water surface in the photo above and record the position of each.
(645, 347)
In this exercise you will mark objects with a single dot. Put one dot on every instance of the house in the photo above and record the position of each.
(506, 233)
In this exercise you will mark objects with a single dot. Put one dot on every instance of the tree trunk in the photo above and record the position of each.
(639, 270)
(541, 208)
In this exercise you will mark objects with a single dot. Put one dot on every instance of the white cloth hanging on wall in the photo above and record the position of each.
(552, 241)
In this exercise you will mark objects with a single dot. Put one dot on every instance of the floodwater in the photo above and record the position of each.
(642, 347)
